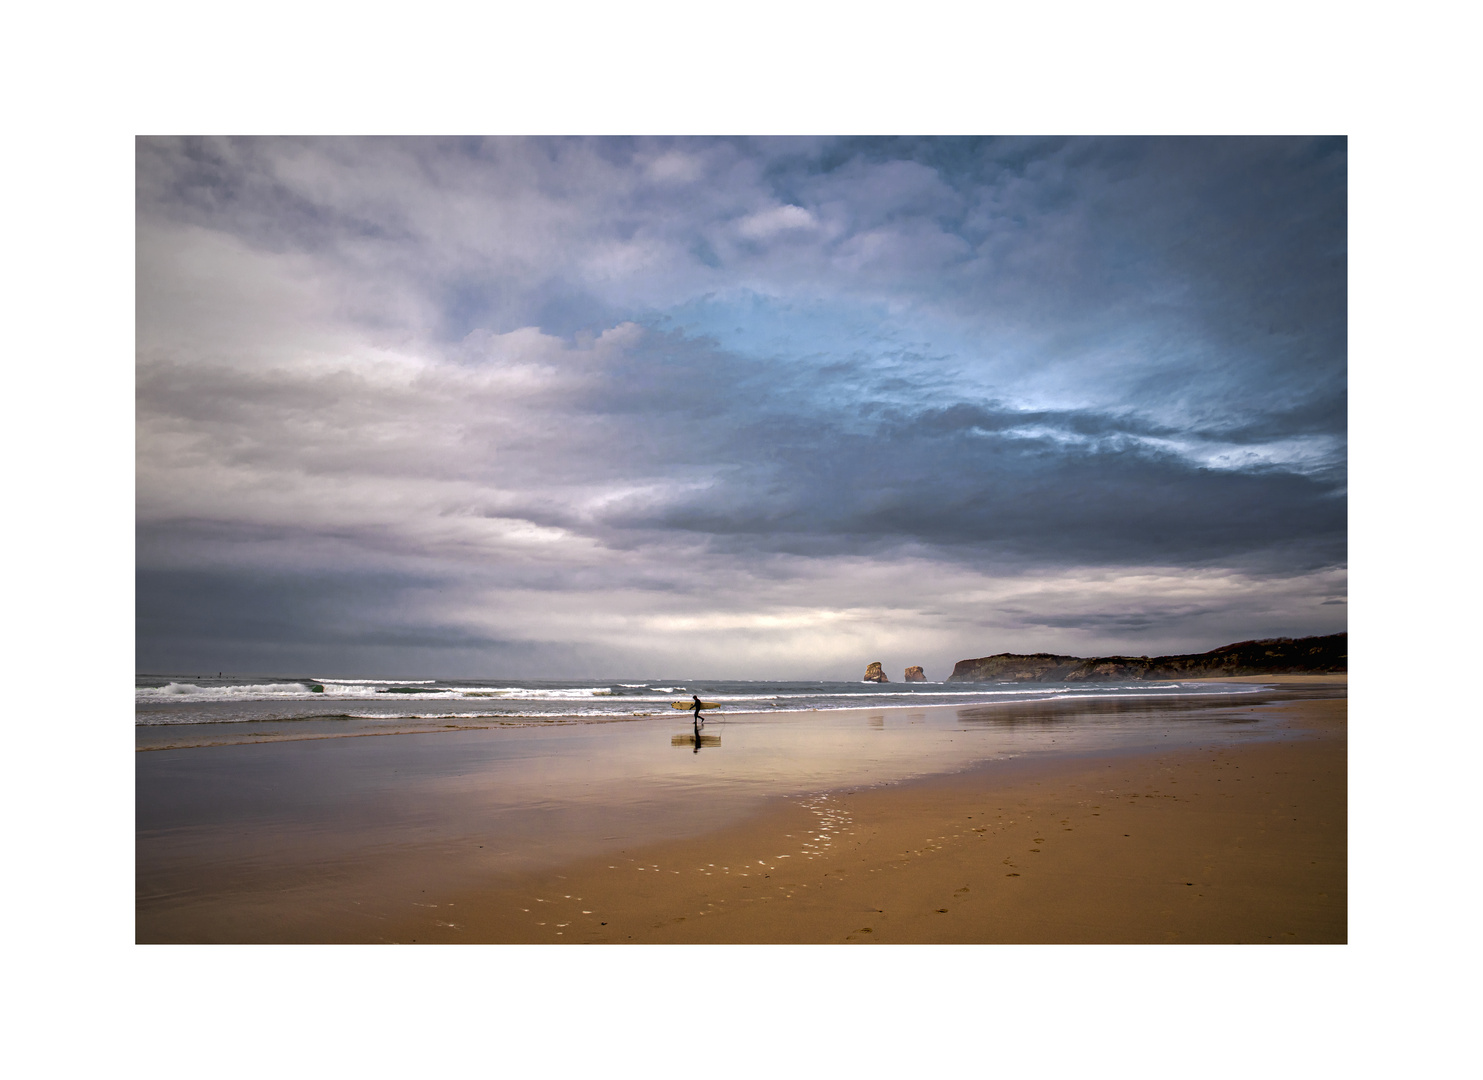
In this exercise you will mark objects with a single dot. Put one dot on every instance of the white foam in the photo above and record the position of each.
(545, 694)
(429, 716)
(251, 692)
(366, 689)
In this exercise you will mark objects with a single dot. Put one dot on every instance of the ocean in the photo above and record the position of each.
(179, 709)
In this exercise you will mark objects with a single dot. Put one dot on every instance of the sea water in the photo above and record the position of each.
(178, 710)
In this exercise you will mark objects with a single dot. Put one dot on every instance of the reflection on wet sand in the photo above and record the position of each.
(317, 840)
(1072, 710)
(696, 740)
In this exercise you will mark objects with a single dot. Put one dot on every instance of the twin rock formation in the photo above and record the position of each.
(1268, 656)
(873, 673)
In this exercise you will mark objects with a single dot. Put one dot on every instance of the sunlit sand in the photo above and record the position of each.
(1221, 819)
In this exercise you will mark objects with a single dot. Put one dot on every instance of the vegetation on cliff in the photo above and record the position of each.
(1269, 656)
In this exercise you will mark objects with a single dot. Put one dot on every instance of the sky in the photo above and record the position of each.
(734, 408)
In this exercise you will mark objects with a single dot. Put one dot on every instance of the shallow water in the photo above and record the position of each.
(349, 827)
(174, 710)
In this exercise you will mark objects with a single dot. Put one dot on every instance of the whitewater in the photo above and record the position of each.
(166, 699)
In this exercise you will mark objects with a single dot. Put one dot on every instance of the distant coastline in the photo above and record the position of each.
(1268, 656)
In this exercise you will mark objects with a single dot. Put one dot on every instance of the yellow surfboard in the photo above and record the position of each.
(691, 705)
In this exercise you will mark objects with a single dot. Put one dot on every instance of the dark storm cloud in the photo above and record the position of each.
(539, 389)
(244, 620)
(1070, 485)
(1110, 504)
(325, 608)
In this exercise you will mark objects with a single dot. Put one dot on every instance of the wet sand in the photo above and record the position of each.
(1329, 678)
(1217, 843)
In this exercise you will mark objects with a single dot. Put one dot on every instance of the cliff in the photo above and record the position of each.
(1270, 656)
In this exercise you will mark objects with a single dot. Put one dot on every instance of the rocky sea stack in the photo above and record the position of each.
(914, 674)
(873, 673)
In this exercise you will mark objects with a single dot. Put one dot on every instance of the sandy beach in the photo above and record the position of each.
(1209, 844)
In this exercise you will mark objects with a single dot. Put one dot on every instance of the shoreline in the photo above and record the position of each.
(1211, 844)
(1325, 678)
(228, 733)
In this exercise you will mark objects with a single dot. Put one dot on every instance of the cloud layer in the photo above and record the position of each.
(756, 408)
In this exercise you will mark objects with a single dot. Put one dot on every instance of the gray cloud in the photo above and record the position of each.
(657, 380)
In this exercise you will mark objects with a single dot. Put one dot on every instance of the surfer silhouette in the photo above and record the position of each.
(696, 707)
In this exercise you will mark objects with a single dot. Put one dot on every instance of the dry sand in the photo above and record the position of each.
(1243, 843)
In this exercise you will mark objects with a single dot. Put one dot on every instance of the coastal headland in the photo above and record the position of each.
(1267, 656)
(1236, 832)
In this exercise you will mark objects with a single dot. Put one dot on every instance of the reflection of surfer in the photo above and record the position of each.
(696, 707)
(697, 735)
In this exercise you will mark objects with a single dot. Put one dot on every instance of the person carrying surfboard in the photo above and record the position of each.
(697, 707)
